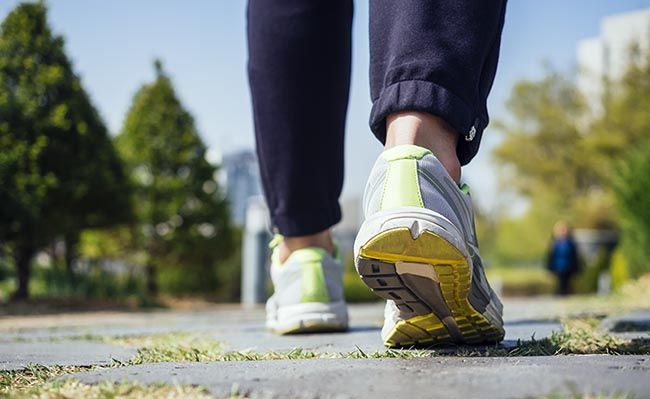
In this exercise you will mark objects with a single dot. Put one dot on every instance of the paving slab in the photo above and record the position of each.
(18, 355)
(226, 318)
(71, 325)
(635, 325)
(243, 329)
(364, 337)
(425, 377)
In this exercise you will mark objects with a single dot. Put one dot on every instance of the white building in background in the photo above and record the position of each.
(607, 55)
(241, 179)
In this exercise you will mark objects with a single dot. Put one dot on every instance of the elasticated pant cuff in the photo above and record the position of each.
(302, 222)
(424, 96)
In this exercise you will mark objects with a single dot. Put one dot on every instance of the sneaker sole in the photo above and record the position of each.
(429, 280)
(311, 327)
(310, 318)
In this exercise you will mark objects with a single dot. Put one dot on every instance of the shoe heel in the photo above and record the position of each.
(314, 317)
(429, 280)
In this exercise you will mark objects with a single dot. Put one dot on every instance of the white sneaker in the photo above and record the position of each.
(308, 293)
(417, 248)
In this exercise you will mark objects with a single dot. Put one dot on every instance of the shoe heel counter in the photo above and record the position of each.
(401, 186)
(313, 285)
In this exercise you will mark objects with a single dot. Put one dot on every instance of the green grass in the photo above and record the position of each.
(40, 382)
(183, 347)
(581, 337)
(172, 347)
(32, 376)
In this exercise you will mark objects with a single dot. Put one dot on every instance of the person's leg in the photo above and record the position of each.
(428, 131)
(299, 71)
(432, 67)
(565, 284)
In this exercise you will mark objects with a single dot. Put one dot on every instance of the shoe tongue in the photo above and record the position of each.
(274, 245)
(277, 239)
(405, 151)
(309, 254)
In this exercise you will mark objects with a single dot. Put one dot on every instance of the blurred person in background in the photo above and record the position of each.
(562, 258)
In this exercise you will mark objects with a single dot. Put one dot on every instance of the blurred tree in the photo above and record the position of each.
(625, 121)
(567, 161)
(182, 213)
(524, 239)
(632, 185)
(543, 149)
(486, 225)
(622, 138)
(546, 159)
(59, 172)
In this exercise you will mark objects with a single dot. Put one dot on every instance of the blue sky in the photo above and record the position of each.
(202, 44)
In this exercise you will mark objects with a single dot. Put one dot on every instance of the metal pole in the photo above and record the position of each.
(255, 253)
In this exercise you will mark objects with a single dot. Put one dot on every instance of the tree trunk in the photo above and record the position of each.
(152, 285)
(23, 257)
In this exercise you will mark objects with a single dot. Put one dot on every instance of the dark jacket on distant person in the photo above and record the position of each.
(562, 258)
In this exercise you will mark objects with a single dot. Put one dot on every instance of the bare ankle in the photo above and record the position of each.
(320, 240)
(428, 131)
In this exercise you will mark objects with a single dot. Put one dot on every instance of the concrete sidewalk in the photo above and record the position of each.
(407, 378)
(59, 339)
(72, 339)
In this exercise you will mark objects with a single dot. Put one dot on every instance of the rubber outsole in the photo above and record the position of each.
(311, 327)
(429, 280)
(308, 317)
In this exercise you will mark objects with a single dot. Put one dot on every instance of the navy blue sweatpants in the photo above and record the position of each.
(434, 56)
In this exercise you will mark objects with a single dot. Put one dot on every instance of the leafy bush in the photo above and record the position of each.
(631, 187)
(521, 280)
(6, 267)
(95, 283)
(619, 269)
(586, 282)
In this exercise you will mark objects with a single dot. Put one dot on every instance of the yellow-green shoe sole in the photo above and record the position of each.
(311, 327)
(429, 280)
